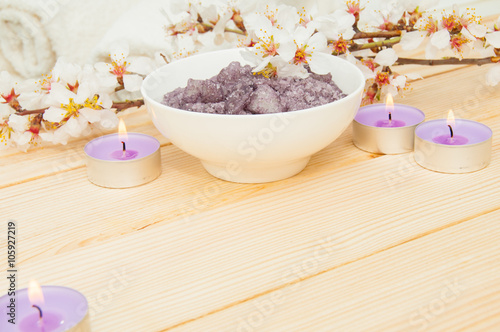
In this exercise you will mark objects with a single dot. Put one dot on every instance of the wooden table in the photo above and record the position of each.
(355, 242)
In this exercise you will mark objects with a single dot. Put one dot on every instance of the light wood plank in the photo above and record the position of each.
(241, 249)
(446, 281)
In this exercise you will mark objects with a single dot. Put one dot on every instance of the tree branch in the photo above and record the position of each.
(376, 34)
(26, 112)
(123, 105)
(447, 61)
(119, 106)
(387, 42)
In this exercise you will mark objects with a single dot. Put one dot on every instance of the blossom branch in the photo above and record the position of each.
(26, 112)
(447, 61)
(381, 43)
(377, 34)
(210, 27)
(120, 106)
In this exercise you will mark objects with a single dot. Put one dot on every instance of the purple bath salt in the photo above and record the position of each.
(236, 90)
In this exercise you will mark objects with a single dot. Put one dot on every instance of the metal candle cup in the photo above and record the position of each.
(113, 164)
(64, 309)
(372, 131)
(468, 150)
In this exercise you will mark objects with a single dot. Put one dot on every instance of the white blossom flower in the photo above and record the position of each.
(128, 71)
(336, 25)
(311, 48)
(271, 41)
(23, 134)
(75, 110)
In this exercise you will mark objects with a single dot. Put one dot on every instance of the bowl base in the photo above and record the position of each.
(253, 173)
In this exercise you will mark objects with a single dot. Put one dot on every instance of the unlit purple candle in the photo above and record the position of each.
(64, 309)
(386, 129)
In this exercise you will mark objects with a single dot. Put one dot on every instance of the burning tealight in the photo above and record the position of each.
(44, 309)
(453, 146)
(123, 160)
(386, 129)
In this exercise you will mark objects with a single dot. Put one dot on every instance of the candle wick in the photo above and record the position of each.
(124, 153)
(390, 117)
(451, 131)
(40, 313)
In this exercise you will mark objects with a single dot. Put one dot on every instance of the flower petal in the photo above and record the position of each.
(430, 51)
(59, 94)
(22, 140)
(18, 123)
(320, 63)
(5, 111)
(287, 17)
(386, 57)
(90, 114)
(109, 120)
(493, 39)
(441, 39)
(54, 114)
(317, 42)
(119, 51)
(412, 40)
(141, 65)
(477, 30)
(287, 50)
(132, 82)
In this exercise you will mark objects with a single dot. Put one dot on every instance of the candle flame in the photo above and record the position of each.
(389, 103)
(451, 118)
(35, 293)
(122, 131)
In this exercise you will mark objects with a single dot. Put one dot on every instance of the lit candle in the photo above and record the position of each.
(123, 159)
(453, 146)
(123, 154)
(389, 109)
(386, 129)
(45, 309)
(452, 138)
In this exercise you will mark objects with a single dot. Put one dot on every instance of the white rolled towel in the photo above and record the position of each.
(34, 33)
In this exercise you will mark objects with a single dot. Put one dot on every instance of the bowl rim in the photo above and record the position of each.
(162, 106)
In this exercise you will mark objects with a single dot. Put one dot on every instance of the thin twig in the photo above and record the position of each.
(387, 42)
(164, 57)
(26, 112)
(120, 106)
(447, 61)
(236, 31)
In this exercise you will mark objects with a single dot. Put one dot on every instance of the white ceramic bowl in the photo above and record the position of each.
(249, 148)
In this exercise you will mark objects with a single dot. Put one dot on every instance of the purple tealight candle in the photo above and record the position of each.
(123, 160)
(450, 139)
(453, 146)
(44, 309)
(386, 128)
